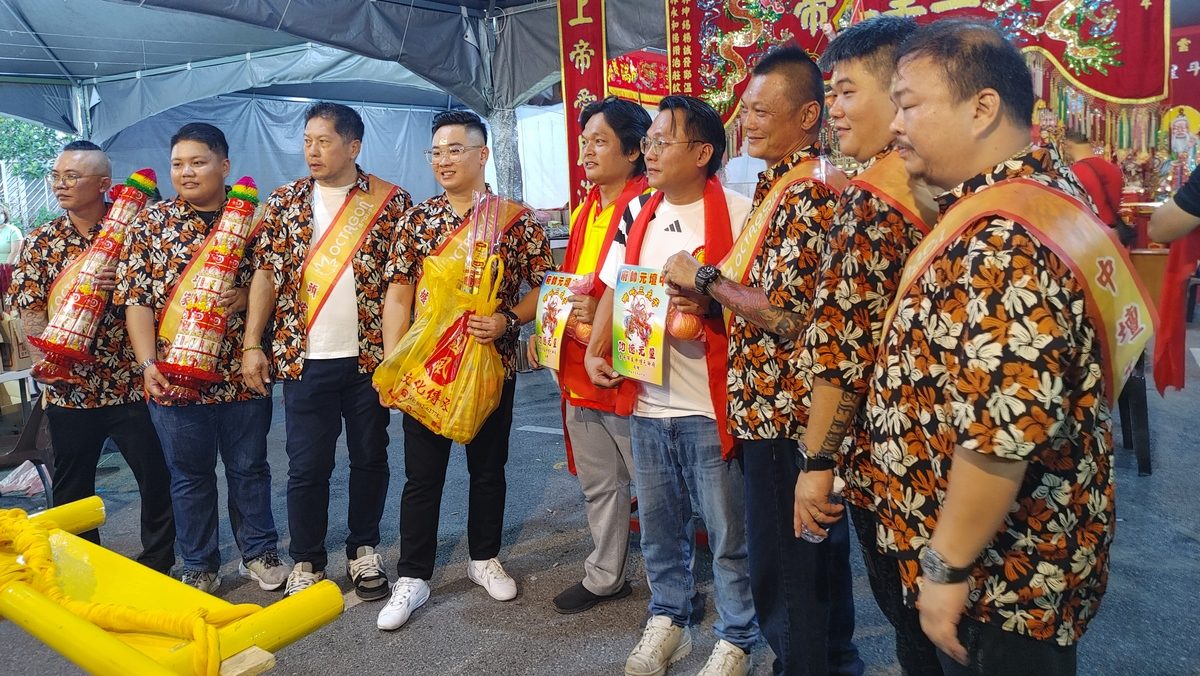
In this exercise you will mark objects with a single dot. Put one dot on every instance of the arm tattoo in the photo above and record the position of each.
(843, 417)
(34, 322)
(753, 306)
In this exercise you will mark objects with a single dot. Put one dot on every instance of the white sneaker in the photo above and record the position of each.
(491, 576)
(663, 644)
(302, 577)
(266, 569)
(408, 594)
(726, 660)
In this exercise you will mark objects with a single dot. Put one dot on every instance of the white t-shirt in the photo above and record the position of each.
(675, 228)
(334, 333)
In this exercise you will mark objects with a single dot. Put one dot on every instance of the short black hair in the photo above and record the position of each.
(702, 123)
(629, 120)
(976, 56)
(803, 75)
(1075, 136)
(81, 145)
(465, 118)
(874, 41)
(203, 132)
(346, 121)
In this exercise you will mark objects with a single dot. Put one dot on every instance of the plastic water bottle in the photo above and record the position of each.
(835, 497)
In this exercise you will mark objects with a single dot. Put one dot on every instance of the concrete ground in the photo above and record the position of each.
(1147, 624)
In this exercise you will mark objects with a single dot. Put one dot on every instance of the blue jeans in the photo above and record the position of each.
(803, 592)
(192, 436)
(678, 461)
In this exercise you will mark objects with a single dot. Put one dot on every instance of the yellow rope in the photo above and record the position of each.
(26, 556)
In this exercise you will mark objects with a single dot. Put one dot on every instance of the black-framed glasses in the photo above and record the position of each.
(453, 153)
(659, 145)
(69, 179)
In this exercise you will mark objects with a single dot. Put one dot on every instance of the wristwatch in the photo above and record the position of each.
(147, 364)
(813, 463)
(935, 569)
(513, 322)
(705, 276)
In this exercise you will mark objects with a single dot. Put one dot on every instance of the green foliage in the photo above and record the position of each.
(29, 149)
(43, 215)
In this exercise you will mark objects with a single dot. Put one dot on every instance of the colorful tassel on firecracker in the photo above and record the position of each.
(144, 180)
(244, 189)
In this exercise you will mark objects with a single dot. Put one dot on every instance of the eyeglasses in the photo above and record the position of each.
(68, 180)
(453, 153)
(658, 145)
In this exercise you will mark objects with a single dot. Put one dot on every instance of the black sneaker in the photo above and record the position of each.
(366, 572)
(577, 598)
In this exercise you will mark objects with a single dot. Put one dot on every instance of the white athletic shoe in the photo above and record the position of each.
(408, 594)
(491, 576)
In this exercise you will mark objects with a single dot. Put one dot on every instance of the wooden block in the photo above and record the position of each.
(249, 662)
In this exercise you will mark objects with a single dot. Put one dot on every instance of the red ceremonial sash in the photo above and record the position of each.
(718, 239)
(577, 388)
(1116, 301)
(1170, 348)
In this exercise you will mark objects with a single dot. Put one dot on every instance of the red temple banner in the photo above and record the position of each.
(1115, 50)
(583, 52)
(1185, 66)
(639, 76)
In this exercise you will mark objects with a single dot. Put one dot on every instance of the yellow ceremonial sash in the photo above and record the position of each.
(1116, 300)
(332, 254)
(888, 180)
(455, 245)
(741, 257)
(62, 284)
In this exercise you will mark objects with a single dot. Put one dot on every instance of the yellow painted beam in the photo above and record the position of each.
(74, 517)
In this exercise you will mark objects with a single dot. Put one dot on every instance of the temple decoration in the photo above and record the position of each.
(67, 339)
(639, 76)
(584, 54)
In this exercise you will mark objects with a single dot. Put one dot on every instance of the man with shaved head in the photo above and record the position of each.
(107, 402)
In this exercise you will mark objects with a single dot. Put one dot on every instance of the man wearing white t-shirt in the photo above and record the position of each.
(320, 253)
(682, 450)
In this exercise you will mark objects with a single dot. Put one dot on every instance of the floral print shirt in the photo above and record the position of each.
(860, 271)
(112, 379)
(991, 350)
(769, 391)
(161, 242)
(282, 246)
(523, 248)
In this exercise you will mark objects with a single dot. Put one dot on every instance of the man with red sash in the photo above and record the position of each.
(439, 226)
(321, 251)
(108, 404)
(1176, 221)
(596, 429)
(802, 590)
(229, 419)
(682, 450)
(1016, 320)
(881, 216)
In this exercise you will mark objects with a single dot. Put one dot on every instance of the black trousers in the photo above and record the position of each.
(78, 435)
(329, 391)
(914, 651)
(991, 651)
(426, 456)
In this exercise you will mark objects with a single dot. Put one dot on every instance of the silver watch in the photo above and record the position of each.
(935, 569)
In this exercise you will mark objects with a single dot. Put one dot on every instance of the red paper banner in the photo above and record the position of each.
(1185, 66)
(639, 76)
(581, 45)
(1115, 50)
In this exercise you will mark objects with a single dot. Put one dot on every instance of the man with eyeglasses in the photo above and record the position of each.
(438, 226)
(803, 598)
(324, 243)
(682, 451)
(108, 402)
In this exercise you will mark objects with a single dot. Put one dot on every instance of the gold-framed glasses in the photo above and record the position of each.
(69, 179)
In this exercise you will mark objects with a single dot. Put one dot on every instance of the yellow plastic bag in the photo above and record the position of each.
(438, 373)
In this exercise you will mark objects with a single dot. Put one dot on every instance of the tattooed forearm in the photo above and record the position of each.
(34, 322)
(753, 306)
(843, 417)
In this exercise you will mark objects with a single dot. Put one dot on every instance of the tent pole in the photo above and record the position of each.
(503, 123)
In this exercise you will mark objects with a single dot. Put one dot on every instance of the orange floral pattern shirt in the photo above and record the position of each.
(991, 350)
(769, 391)
(860, 271)
(523, 248)
(281, 247)
(112, 379)
(161, 242)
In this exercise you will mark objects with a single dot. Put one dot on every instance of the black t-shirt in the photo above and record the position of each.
(1188, 197)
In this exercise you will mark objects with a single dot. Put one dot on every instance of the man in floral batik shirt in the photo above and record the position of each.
(327, 340)
(457, 157)
(109, 403)
(988, 406)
